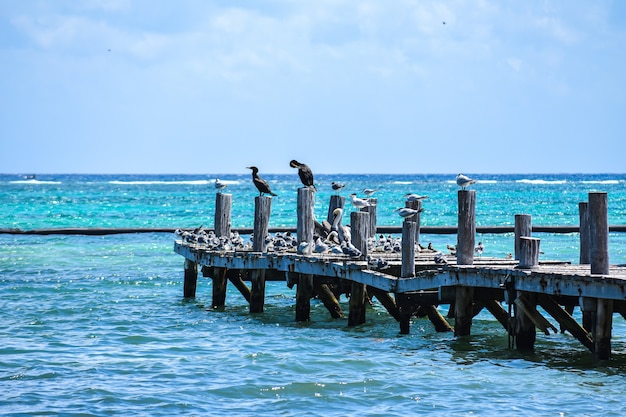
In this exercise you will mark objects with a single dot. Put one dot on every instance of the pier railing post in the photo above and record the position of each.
(523, 228)
(360, 227)
(583, 214)
(407, 270)
(221, 225)
(304, 231)
(262, 211)
(415, 205)
(466, 239)
(599, 258)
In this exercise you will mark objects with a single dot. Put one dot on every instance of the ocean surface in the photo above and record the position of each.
(97, 325)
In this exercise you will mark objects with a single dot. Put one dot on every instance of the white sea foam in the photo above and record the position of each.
(34, 182)
(527, 181)
(189, 182)
(403, 182)
(601, 182)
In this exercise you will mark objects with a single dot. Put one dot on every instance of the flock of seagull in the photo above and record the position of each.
(329, 238)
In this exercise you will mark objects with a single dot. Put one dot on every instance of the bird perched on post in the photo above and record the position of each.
(407, 212)
(359, 202)
(304, 172)
(220, 185)
(336, 186)
(260, 183)
(464, 181)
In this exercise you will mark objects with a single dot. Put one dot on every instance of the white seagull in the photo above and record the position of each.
(369, 191)
(359, 202)
(219, 185)
(415, 197)
(464, 181)
(407, 212)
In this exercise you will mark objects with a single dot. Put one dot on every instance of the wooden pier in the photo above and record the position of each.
(413, 282)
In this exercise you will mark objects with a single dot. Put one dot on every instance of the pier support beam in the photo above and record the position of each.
(602, 329)
(328, 299)
(525, 331)
(463, 310)
(219, 287)
(407, 270)
(191, 279)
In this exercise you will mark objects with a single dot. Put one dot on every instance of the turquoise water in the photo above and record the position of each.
(97, 325)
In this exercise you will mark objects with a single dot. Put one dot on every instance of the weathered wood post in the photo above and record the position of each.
(360, 227)
(466, 239)
(336, 201)
(262, 211)
(523, 228)
(415, 205)
(304, 230)
(407, 270)
(583, 214)
(371, 209)
(223, 205)
(190, 279)
(528, 252)
(599, 258)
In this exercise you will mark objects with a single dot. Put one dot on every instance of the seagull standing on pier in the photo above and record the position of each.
(219, 185)
(479, 249)
(260, 183)
(359, 202)
(464, 181)
(305, 173)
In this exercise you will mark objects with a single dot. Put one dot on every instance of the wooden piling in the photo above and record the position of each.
(522, 228)
(598, 233)
(463, 310)
(223, 208)
(304, 230)
(583, 214)
(336, 201)
(602, 329)
(524, 327)
(371, 209)
(262, 211)
(190, 279)
(219, 288)
(234, 277)
(528, 252)
(408, 249)
(466, 233)
(417, 218)
(360, 226)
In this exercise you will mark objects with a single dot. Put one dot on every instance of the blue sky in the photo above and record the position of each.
(199, 86)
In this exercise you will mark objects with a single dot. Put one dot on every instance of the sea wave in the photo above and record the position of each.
(188, 182)
(539, 181)
(402, 182)
(601, 182)
(34, 182)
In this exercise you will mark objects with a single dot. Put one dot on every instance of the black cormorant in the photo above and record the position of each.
(260, 183)
(305, 173)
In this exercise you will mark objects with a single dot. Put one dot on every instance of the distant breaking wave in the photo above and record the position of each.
(189, 182)
(527, 181)
(34, 182)
(601, 182)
